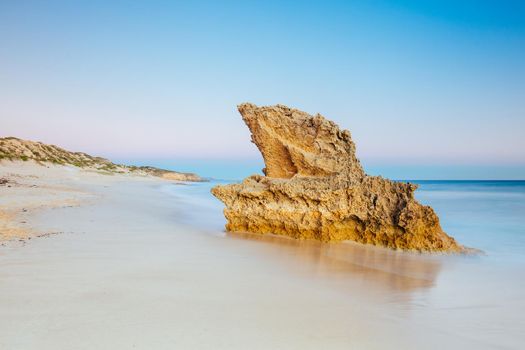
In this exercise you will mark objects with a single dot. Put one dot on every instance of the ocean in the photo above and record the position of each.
(476, 300)
(487, 215)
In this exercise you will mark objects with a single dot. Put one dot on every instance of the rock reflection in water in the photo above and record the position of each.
(388, 270)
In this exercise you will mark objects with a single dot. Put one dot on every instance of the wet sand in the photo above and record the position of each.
(130, 270)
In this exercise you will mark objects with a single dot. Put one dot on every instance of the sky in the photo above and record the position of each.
(428, 89)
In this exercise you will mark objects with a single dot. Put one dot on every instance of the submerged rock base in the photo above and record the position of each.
(315, 188)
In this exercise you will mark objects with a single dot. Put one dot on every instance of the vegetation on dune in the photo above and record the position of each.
(12, 148)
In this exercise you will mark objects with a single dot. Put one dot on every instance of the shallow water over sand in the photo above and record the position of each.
(478, 299)
(150, 267)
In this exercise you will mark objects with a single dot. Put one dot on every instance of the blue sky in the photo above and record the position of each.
(429, 89)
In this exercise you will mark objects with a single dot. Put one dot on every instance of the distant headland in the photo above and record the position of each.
(12, 148)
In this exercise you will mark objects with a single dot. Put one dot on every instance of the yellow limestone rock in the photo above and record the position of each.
(315, 188)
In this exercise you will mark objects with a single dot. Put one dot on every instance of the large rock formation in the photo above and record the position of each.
(315, 188)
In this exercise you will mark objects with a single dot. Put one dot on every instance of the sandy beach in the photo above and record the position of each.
(128, 269)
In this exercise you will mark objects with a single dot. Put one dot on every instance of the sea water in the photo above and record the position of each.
(458, 301)
(487, 215)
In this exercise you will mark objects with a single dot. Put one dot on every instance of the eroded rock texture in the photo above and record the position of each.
(315, 188)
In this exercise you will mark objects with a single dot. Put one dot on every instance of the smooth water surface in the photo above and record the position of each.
(487, 215)
(480, 300)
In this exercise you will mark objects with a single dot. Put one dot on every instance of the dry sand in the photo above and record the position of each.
(128, 271)
(31, 188)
